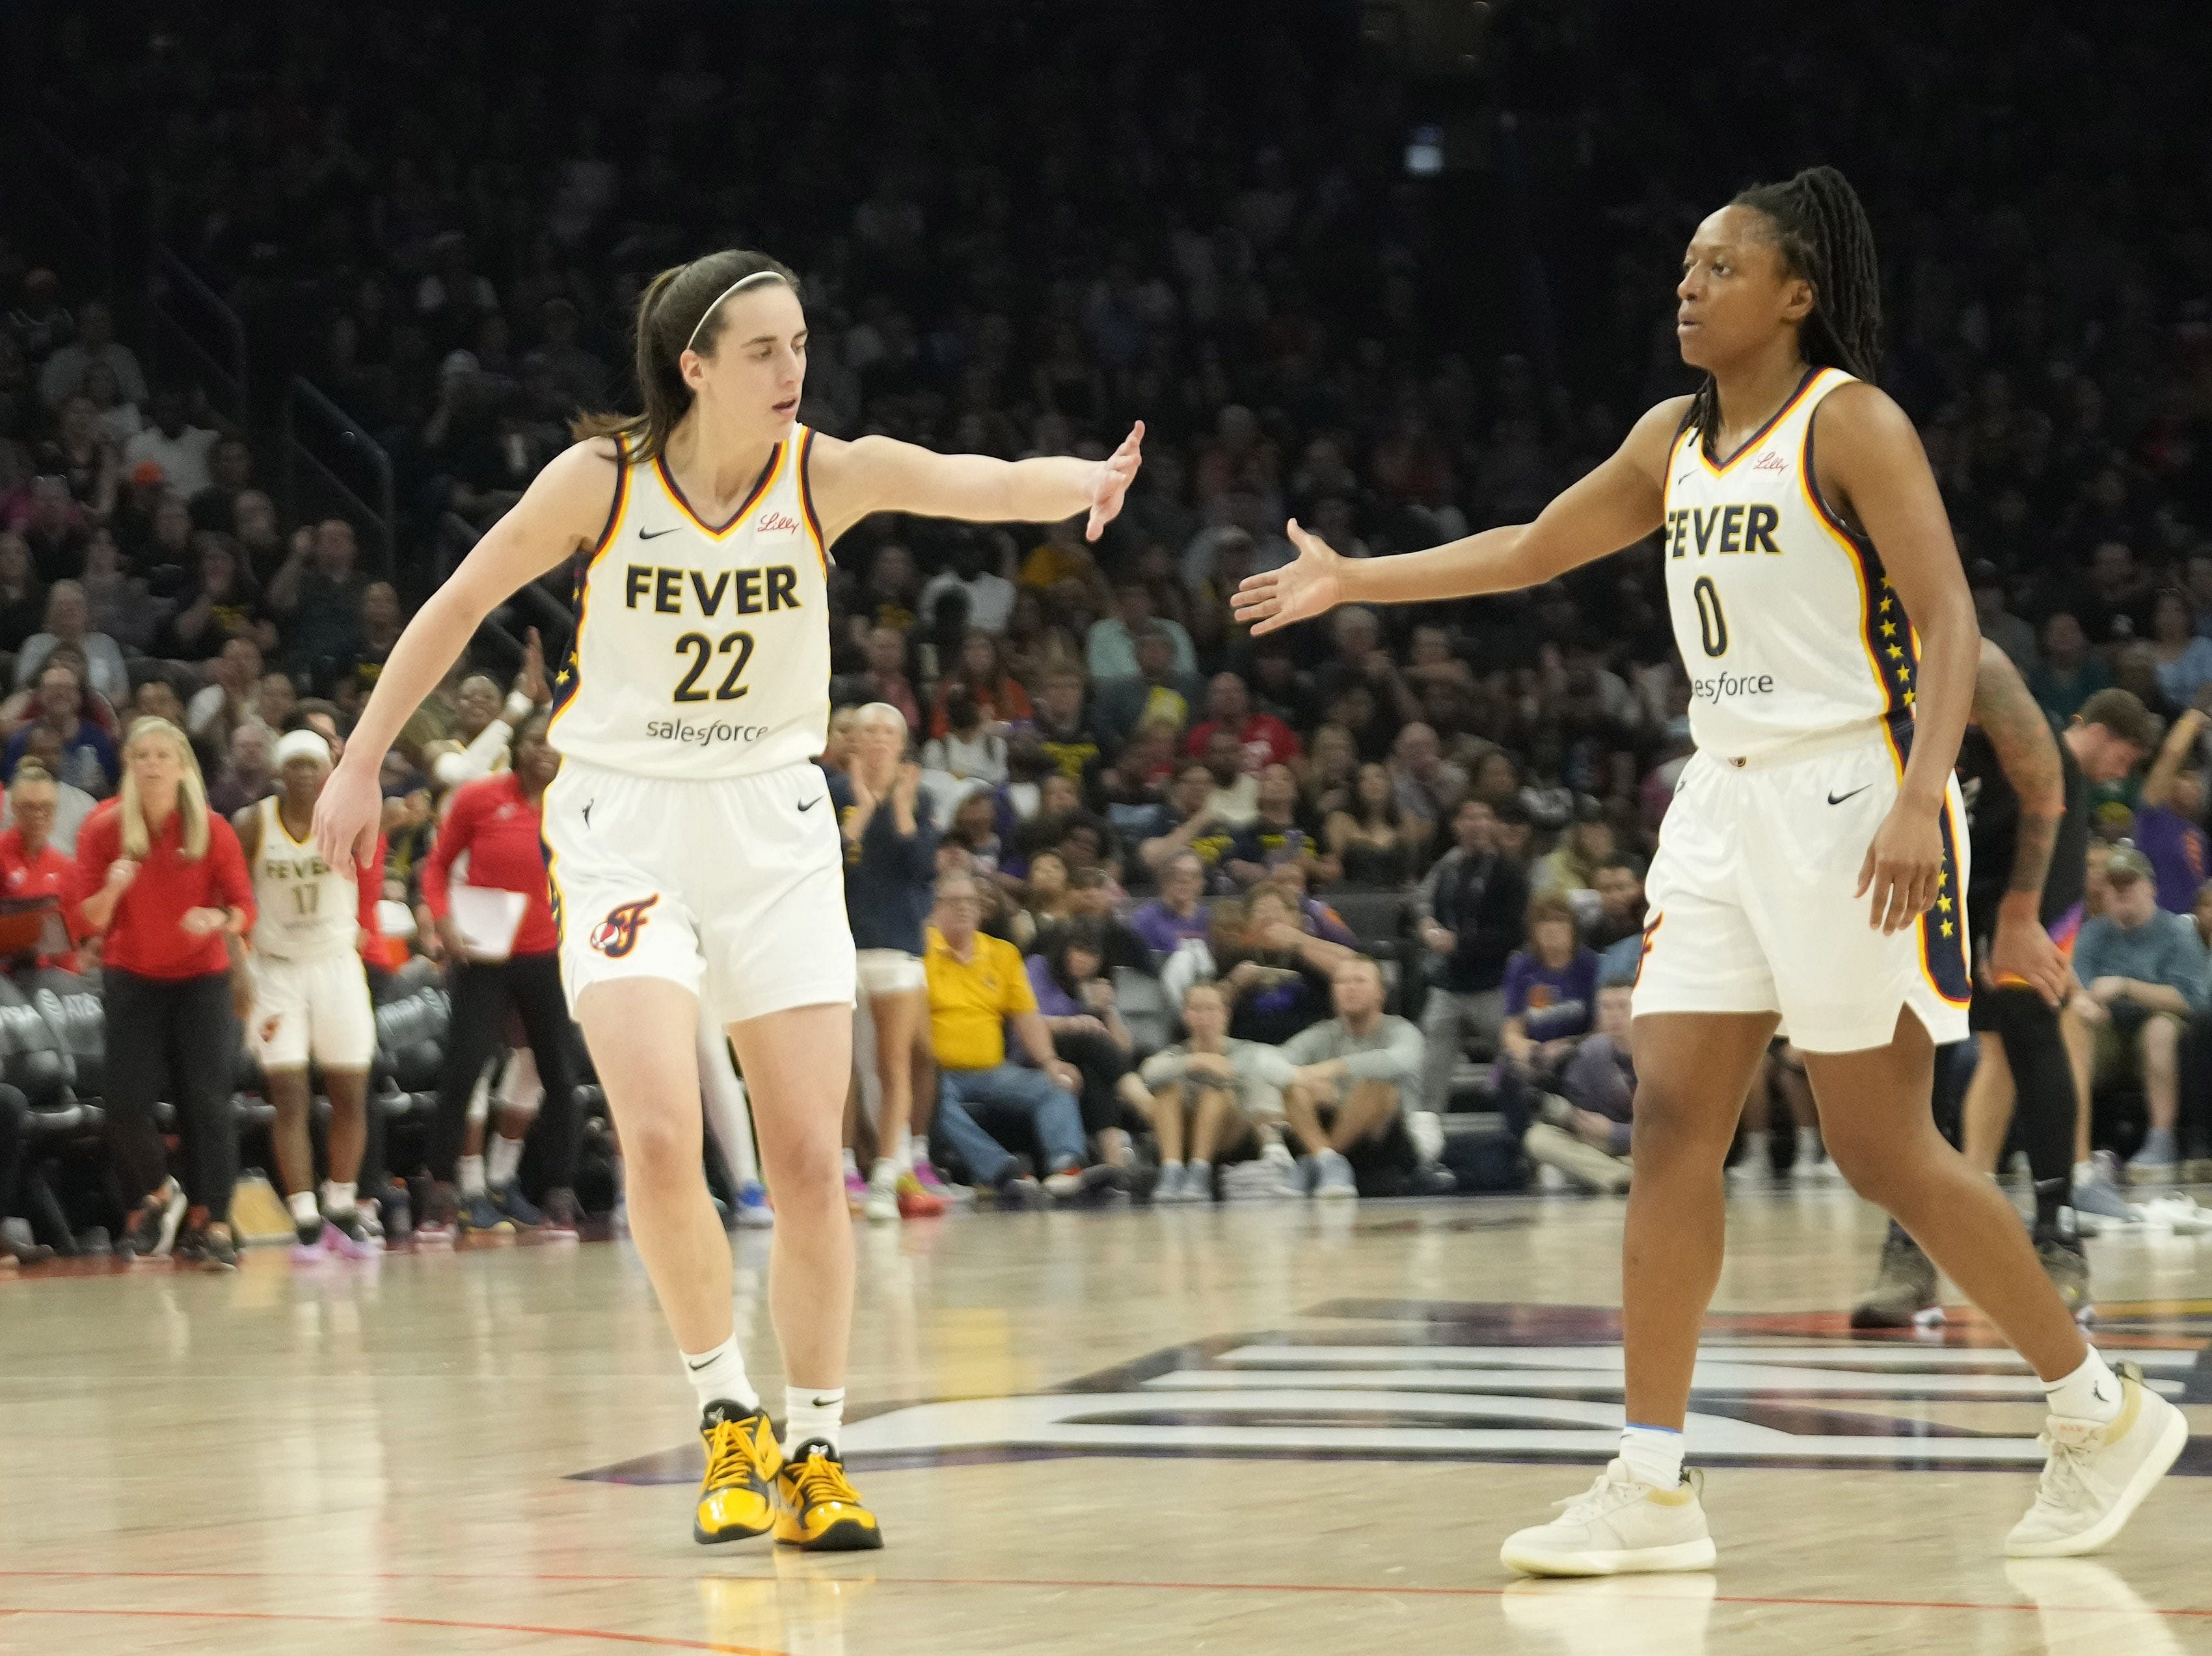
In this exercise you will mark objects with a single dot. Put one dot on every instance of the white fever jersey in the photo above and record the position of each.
(1787, 625)
(700, 651)
(303, 907)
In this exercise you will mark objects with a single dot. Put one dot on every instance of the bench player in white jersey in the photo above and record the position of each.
(693, 856)
(310, 992)
(1808, 879)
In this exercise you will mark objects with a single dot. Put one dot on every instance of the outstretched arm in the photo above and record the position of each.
(880, 474)
(1615, 505)
(2172, 754)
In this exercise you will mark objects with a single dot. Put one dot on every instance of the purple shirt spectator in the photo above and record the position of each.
(1552, 1003)
(2176, 849)
(1162, 929)
(1052, 1000)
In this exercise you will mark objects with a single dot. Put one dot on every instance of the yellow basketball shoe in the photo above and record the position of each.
(737, 1499)
(817, 1508)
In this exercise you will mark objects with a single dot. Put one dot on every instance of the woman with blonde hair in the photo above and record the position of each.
(164, 885)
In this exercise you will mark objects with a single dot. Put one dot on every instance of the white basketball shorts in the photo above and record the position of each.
(316, 1007)
(1751, 903)
(734, 886)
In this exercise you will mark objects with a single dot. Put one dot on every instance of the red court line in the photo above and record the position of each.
(1805, 1601)
(654, 1641)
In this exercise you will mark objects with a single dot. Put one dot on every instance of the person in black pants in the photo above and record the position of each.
(166, 882)
(2026, 791)
(497, 820)
(14, 1129)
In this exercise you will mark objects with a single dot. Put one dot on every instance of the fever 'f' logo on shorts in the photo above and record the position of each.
(617, 935)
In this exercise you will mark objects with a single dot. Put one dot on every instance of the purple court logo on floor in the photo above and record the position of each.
(1389, 1379)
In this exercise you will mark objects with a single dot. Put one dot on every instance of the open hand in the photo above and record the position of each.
(1903, 868)
(1115, 473)
(1309, 586)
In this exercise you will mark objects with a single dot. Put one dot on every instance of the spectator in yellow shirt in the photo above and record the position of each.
(978, 986)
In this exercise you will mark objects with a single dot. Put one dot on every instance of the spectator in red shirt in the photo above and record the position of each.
(161, 878)
(1266, 739)
(497, 821)
(30, 863)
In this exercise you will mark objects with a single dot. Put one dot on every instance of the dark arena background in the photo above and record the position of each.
(297, 304)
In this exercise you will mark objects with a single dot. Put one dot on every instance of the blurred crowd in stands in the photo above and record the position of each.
(1228, 866)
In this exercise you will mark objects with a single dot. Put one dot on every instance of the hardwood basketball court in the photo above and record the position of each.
(1264, 1429)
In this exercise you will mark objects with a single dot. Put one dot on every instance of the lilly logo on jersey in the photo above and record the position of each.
(617, 935)
(778, 523)
(1770, 461)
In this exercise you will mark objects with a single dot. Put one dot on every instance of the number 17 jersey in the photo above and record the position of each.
(1787, 625)
(702, 651)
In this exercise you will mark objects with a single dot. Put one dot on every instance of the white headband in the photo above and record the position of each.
(741, 281)
(301, 745)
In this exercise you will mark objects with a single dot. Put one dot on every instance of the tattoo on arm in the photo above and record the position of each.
(2028, 754)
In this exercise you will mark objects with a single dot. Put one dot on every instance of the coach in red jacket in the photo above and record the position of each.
(163, 882)
(498, 821)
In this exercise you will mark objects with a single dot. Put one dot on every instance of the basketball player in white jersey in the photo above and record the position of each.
(693, 856)
(1808, 877)
(310, 992)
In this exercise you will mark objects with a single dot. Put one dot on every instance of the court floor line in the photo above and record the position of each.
(651, 1640)
(1802, 1600)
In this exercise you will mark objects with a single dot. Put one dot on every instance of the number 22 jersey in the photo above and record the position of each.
(702, 652)
(1787, 625)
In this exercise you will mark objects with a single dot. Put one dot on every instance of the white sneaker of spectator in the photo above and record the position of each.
(1333, 1179)
(2179, 1214)
(1284, 1168)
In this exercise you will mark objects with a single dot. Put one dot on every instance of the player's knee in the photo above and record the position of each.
(657, 1149)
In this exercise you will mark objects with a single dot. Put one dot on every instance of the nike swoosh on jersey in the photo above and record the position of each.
(655, 534)
(810, 803)
(1839, 798)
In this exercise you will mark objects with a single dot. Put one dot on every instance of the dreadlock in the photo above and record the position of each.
(1822, 227)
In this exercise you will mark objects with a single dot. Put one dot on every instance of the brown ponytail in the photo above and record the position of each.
(673, 317)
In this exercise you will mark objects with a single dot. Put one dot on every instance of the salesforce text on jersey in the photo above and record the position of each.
(1723, 685)
(704, 736)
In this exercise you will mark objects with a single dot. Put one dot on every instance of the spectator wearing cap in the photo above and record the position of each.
(1469, 917)
(69, 622)
(163, 882)
(176, 449)
(2169, 821)
(2144, 969)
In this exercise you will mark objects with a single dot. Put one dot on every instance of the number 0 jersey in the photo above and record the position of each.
(700, 651)
(1787, 626)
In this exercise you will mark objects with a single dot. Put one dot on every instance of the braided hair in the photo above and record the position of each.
(1821, 227)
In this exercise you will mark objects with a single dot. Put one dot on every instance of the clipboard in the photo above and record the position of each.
(488, 918)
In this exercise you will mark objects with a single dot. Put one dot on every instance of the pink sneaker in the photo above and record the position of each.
(927, 1175)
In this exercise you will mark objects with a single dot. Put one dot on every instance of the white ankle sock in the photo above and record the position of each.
(340, 1199)
(2090, 1392)
(1808, 1146)
(472, 1175)
(1653, 1455)
(302, 1203)
(719, 1376)
(1755, 1153)
(503, 1159)
(917, 1149)
(852, 1163)
(810, 1412)
(885, 1172)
